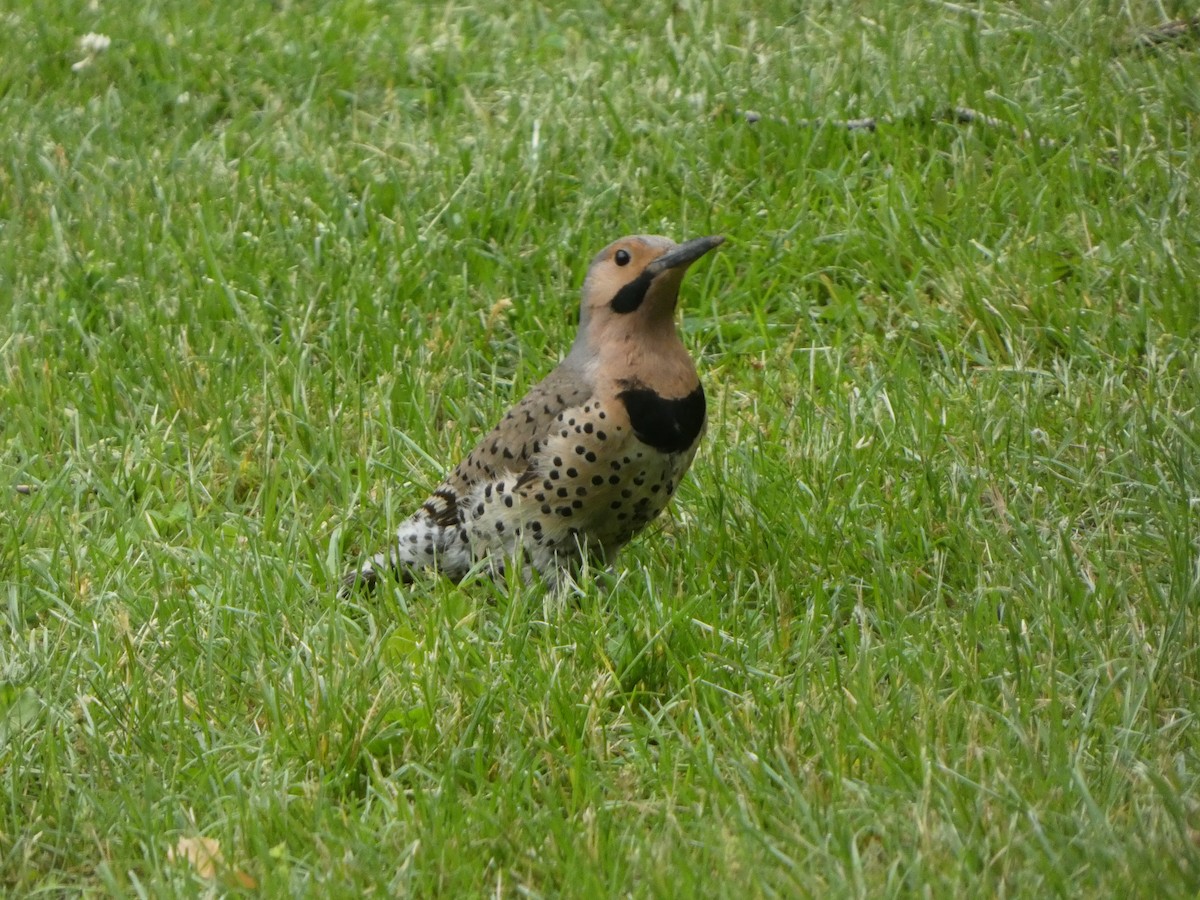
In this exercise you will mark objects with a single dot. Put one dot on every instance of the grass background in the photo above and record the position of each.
(924, 617)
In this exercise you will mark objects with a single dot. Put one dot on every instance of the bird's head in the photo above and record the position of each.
(632, 288)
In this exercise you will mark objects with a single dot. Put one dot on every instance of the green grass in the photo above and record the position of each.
(924, 617)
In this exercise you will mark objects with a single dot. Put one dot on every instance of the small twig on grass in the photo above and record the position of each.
(1169, 33)
(961, 115)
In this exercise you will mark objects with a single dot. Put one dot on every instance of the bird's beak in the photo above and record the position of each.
(685, 254)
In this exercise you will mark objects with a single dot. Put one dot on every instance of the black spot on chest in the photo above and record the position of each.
(670, 426)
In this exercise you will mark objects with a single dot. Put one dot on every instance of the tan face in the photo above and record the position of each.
(636, 280)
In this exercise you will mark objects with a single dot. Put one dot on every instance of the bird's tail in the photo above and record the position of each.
(421, 543)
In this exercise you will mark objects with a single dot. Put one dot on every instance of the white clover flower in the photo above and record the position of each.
(91, 44)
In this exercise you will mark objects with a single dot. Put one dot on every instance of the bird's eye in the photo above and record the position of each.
(622, 257)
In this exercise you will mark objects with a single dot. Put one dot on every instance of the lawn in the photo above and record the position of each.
(923, 618)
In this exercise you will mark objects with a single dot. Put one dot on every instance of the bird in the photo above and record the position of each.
(591, 455)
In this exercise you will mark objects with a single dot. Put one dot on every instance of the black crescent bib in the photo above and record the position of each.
(670, 426)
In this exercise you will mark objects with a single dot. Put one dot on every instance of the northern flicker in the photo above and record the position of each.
(593, 452)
